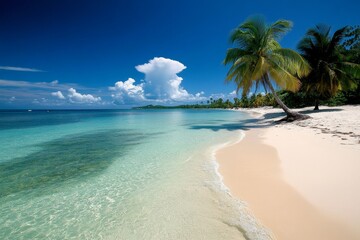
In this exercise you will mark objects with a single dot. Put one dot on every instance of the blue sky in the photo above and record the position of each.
(116, 54)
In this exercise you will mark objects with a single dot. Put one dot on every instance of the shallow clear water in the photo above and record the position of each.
(125, 174)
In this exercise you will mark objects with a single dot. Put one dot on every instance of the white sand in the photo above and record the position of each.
(302, 179)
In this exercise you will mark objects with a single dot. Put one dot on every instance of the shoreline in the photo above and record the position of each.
(293, 189)
(248, 224)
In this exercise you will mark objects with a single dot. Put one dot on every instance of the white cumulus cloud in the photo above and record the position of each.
(161, 84)
(224, 96)
(58, 94)
(76, 97)
(127, 92)
(161, 79)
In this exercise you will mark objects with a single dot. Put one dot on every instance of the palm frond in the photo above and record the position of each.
(338, 36)
(352, 69)
(260, 69)
(280, 28)
(292, 61)
(258, 53)
(283, 78)
(272, 45)
(232, 54)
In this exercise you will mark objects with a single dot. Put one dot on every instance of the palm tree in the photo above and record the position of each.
(330, 72)
(258, 58)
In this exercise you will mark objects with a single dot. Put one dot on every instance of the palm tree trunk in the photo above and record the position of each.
(290, 115)
(316, 104)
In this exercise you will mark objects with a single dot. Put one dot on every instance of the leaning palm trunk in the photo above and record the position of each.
(290, 115)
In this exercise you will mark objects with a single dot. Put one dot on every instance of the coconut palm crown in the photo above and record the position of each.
(330, 71)
(257, 58)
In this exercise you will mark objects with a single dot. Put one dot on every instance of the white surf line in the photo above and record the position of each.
(248, 221)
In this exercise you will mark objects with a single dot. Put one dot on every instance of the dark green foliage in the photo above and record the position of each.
(337, 100)
(237, 102)
(253, 101)
(259, 100)
(351, 51)
(296, 100)
(352, 41)
(353, 97)
(332, 59)
(244, 103)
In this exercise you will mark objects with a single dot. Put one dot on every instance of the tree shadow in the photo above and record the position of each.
(244, 124)
(267, 120)
(321, 111)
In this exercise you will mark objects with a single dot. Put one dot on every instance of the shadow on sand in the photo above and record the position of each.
(244, 124)
(268, 119)
(320, 111)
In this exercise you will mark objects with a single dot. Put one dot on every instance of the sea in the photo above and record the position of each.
(119, 174)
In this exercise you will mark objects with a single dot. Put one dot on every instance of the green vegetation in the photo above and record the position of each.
(259, 100)
(330, 70)
(351, 52)
(258, 56)
(293, 100)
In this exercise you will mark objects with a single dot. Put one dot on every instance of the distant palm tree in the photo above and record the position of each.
(330, 72)
(257, 56)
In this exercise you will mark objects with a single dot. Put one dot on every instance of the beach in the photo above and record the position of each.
(300, 179)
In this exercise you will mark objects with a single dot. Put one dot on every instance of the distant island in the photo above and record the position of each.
(211, 103)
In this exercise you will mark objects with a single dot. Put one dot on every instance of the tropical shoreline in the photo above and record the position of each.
(299, 179)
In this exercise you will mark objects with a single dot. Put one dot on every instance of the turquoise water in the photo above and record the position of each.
(125, 174)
